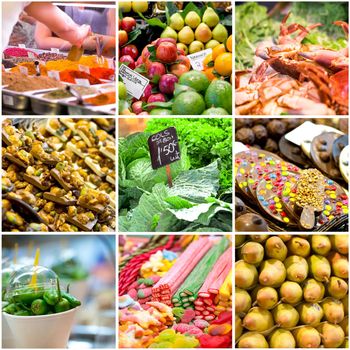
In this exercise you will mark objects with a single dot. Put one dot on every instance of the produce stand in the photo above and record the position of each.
(175, 58)
(175, 292)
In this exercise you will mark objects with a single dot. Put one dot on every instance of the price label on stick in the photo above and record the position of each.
(55, 50)
(134, 82)
(164, 149)
(196, 59)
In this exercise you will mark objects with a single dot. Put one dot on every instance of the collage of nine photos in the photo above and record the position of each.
(91, 260)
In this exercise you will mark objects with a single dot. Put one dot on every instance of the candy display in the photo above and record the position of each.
(40, 55)
(291, 58)
(175, 59)
(291, 291)
(161, 312)
(58, 175)
(199, 196)
(291, 178)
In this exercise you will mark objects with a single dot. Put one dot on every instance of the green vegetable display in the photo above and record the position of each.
(200, 199)
(40, 303)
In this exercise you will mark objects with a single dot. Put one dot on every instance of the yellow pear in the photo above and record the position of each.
(186, 35)
(192, 19)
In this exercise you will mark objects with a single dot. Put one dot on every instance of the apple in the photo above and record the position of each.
(155, 68)
(155, 98)
(130, 50)
(184, 60)
(178, 69)
(128, 24)
(128, 60)
(139, 62)
(158, 41)
(166, 52)
(147, 93)
(143, 113)
(167, 83)
(123, 37)
(137, 107)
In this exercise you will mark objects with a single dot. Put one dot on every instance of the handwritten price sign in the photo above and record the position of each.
(164, 148)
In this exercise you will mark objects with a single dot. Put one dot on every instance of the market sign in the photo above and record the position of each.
(196, 59)
(134, 82)
(164, 149)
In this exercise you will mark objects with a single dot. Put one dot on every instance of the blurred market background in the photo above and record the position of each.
(87, 264)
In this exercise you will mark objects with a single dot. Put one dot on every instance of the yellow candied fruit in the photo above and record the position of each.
(276, 199)
(292, 194)
(242, 171)
(245, 184)
(326, 212)
(333, 196)
(328, 207)
(285, 219)
(292, 199)
(346, 211)
(287, 184)
(284, 173)
(278, 205)
(330, 217)
(268, 186)
(251, 181)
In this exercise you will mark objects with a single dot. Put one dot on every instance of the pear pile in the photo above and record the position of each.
(194, 33)
(291, 291)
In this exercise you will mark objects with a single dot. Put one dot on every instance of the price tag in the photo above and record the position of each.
(308, 131)
(8, 100)
(164, 148)
(53, 74)
(239, 147)
(55, 50)
(196, 59)
(31, 55)
(22, 46)
(83, 82)
(23, 70)
(83, 68)
(135, 83)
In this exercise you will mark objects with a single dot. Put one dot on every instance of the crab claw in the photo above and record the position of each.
(327, 58)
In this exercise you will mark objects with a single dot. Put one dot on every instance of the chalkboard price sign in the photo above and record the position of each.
(164, 148)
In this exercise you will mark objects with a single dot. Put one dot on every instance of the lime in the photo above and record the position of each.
(188, 103)
(121, 90)
(160, 111)
(219, 94)
(195, 79)
(215, 111)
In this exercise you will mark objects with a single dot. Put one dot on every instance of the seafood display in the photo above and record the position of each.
(293, 77)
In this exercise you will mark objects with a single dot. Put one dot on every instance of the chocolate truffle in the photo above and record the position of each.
(245, 135)
(276, 128)
(260, 133)
(240, 208)
(243, 123)
(251, 223)
(271, 145)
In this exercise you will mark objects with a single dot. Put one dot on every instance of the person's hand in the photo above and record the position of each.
(81, 34)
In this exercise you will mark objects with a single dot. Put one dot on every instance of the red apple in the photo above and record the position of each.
(178, 69)
(139, 62)
(137, 107)
(147, 93)
(155, 68)
(166, 52)
(156, 98)
(143, 113)
(167, 83)
(184, 60)
(130, 50)
(123, 37)
(163, 40)
(128, 60)
(128, 24)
